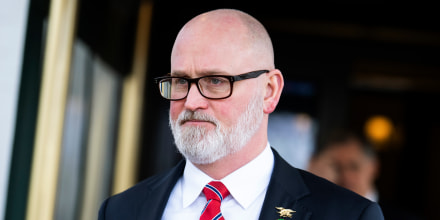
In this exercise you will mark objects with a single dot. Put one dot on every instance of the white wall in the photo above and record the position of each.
(13, 19)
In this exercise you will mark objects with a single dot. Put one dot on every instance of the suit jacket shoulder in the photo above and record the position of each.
(145, 200)
(312, 197)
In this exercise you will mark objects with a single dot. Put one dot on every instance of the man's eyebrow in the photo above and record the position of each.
(199, 74)
(178, 73)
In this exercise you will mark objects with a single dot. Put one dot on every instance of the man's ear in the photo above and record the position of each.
(274, 86)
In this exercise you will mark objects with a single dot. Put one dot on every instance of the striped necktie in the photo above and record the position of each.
(215, 192)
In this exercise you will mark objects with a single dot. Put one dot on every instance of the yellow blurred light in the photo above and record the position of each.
(378, 128)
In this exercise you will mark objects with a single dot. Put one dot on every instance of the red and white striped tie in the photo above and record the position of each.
(215, 192)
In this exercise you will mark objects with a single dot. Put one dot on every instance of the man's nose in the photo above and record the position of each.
(194, 100)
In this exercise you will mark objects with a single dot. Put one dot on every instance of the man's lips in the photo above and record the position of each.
(195, 122)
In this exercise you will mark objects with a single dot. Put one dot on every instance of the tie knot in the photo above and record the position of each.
(215, 190)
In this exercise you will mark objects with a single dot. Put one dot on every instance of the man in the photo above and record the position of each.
(348, 161)
(222, 87)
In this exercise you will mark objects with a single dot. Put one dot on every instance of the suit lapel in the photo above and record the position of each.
(159, 191)
(285, 190)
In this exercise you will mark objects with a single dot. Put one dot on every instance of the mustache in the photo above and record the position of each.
(191, 115)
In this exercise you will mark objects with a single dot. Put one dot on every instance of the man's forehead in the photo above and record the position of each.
(204, 58)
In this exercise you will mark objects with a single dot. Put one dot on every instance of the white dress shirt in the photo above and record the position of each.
(247, 185)
(372, 195)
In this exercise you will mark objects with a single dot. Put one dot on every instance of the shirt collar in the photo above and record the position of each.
(258, 172)
(193, 182)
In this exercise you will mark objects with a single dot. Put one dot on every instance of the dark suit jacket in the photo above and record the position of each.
(310, 196)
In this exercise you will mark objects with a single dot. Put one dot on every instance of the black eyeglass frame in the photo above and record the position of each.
(232, 79)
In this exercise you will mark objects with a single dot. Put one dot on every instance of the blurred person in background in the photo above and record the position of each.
(349, 160)
(222, 87)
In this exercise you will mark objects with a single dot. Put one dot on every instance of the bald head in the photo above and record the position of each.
(226, 33)
(227, 43)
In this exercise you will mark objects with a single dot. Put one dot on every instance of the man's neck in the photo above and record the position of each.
(230, 163)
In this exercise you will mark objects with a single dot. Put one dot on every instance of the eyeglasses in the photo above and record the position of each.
(211, 87)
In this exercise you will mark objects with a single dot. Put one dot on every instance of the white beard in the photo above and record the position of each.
(204, 146)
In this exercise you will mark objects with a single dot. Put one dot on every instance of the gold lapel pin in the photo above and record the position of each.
(285, 212)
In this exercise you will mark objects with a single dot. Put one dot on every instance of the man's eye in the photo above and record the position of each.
(180, 81)
(216, 80)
